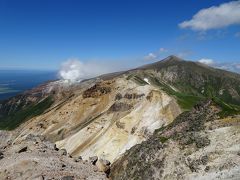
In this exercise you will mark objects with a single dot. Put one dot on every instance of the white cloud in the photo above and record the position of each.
(206, 61)
(156, 54)
(150, 56)
(215, 17)
(75, 70)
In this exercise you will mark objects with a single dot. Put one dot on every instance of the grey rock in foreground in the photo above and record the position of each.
(33, 158)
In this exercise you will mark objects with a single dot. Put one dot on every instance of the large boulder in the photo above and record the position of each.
(93, 159)
(22, 148)
(63, 152)
(1, 155)
(77, 159)
(103, 165)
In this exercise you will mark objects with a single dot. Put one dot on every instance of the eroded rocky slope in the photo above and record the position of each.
(197, 145)
(105, 119)
(114, 117)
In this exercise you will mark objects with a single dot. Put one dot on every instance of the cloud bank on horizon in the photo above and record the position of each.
(206, 61)
(230, 66)
(215, 17)
(74, 70)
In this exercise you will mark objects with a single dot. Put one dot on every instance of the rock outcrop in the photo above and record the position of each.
(185, 149)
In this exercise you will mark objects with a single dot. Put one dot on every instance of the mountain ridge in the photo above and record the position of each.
(112, 115)
(179, 78)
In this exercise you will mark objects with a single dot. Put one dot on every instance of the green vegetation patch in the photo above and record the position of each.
(189, 96)
(189, 93)
(137, 79)
(163, 139)
(227, 109)
(185, 101)
(13, 120)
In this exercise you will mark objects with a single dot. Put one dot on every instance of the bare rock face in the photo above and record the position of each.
(103, 166)
(186, 149)
(101, 122)
(120, 107)
(96, 91)
(133, 96)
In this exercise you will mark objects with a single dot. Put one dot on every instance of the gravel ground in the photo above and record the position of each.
(36, 158)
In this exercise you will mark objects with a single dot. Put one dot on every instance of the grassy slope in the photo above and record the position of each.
(198, 82)
(188, 96)
(185, 100)
(13, 120)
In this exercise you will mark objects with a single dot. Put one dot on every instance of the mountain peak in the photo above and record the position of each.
(172, 58)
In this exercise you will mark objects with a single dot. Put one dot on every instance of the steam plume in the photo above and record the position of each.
(74, 70)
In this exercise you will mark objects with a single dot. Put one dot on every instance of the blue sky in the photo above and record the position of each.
(41, 34)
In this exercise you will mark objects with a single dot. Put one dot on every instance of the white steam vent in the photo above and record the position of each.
(74, 70)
